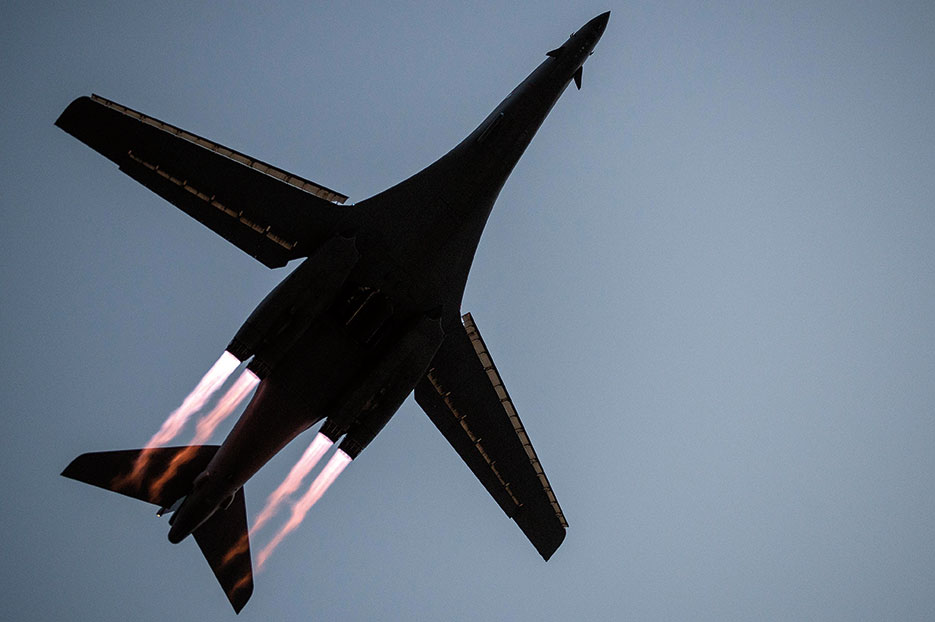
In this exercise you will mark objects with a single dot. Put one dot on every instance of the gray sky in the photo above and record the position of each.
(709, 286)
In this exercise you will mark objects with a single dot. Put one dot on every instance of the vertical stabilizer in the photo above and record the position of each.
(225, 543)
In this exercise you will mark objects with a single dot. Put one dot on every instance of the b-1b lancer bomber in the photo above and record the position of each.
(371, 314)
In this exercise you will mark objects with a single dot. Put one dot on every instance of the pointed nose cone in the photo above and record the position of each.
(599, 23)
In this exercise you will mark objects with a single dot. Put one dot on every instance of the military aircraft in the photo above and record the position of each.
(371, 314)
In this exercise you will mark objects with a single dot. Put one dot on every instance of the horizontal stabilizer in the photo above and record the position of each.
(113, 470)
(225, 543)
(223, 538)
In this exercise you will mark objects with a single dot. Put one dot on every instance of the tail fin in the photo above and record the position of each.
(225, 543)
(223, 539)
(114, 470)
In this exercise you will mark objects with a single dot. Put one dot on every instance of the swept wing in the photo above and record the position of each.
(464, 396)
(272, 215)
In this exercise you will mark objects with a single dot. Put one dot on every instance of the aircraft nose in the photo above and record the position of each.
(592, 31)
(599, 23)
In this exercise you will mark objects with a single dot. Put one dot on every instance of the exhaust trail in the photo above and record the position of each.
(195, 401)
(241, 388)
(313, 453)
(293, 480)
(324, 480)
(206, 426)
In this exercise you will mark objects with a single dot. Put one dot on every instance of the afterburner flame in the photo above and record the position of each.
(206, 426)
(327, 476)
(241, 388)
(172, 426)
(196, 400)
(303, 467)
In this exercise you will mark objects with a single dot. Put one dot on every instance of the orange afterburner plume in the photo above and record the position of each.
(327, 476)
(239, 548)
(195, 401)
(303, 467)
(206, 426)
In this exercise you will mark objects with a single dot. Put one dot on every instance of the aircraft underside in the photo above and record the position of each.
(369, 316)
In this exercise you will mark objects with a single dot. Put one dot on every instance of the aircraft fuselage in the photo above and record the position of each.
(356, 359)
(371, 315)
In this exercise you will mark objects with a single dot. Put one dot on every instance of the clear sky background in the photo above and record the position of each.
(709, 286)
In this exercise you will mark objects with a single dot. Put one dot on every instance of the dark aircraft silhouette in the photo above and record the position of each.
(370, 315)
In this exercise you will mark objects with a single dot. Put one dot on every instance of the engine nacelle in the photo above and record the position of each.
(371, 404)
(287, 312)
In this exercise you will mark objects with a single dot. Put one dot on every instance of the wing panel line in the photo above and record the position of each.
(462, 420)
(258, 165)
(487, 361)
(210, 200)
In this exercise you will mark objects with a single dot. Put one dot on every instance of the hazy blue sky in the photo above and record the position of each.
(709, 286)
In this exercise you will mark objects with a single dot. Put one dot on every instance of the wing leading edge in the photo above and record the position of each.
(272, 215)
(464, 396)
